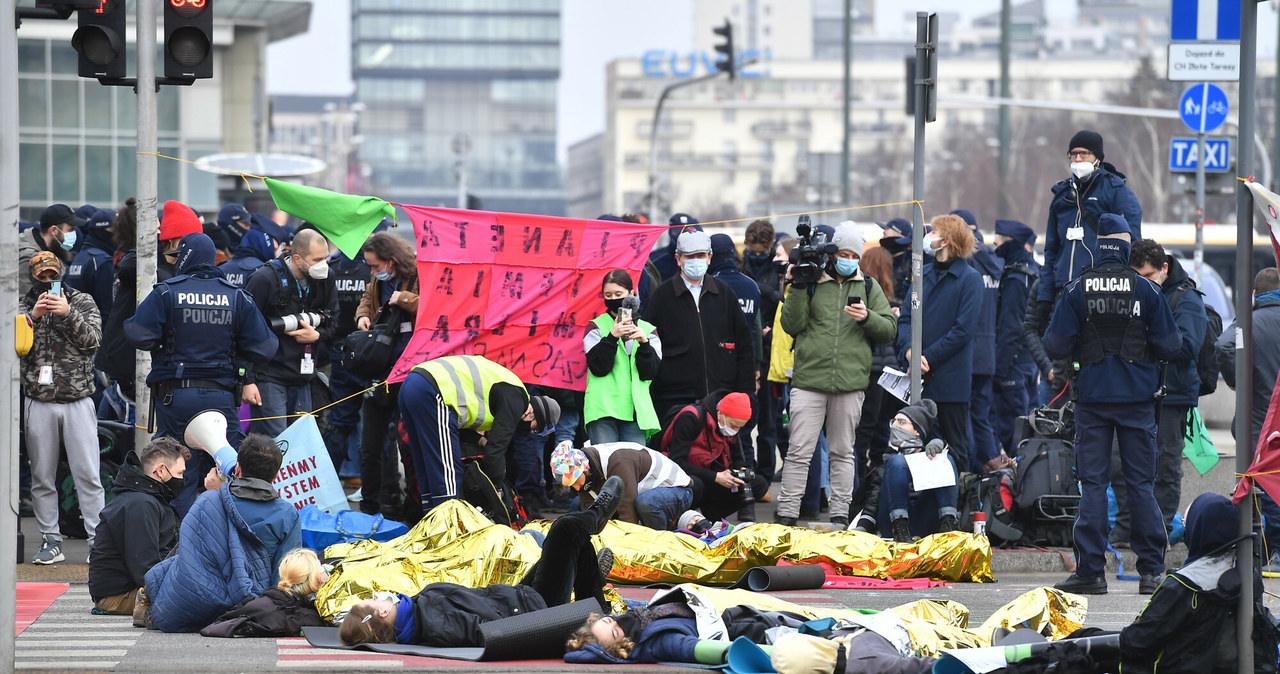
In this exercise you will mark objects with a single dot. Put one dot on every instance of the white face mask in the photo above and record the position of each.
(929, 241)
(726, 431)
(319, 270)
(1082, 169)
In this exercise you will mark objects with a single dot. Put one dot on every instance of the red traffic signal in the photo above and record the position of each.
(100, 39)
(188, 39)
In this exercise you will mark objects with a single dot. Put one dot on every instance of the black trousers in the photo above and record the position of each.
(953, 428)
(379, 464)
(568, 562)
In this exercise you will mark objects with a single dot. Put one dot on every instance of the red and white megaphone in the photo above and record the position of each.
(207, 431)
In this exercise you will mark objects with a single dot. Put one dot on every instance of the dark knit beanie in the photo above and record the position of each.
(1089, 140)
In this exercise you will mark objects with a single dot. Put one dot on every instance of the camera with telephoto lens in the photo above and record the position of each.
(291, 322)
(746, 475)
(811, 255)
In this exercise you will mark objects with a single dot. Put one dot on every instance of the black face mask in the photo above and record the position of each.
(629, 624)
(613, 305)
(44, 286)
(757, 259)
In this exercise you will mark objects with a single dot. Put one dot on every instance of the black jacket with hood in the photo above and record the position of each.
(138, 529)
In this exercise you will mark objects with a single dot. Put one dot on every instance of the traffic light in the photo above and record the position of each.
(188, 39)
(100, 39)
(725, 62)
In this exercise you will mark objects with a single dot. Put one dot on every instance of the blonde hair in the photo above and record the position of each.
(583, 636)
(363, 625)
(956, 233)
(300, 572)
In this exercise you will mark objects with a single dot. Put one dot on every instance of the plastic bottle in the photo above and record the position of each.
(980, 523)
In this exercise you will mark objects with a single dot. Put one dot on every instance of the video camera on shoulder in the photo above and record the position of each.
(291, 322)
(811, 255)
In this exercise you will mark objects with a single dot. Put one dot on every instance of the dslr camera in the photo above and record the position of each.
(291, 322)
(811, 255)
(746, 475)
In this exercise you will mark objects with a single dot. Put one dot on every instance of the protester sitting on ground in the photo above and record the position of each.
(654, 489)
(1189, 623)
(904, 511)
(623, 355)
(449, 615)
(701, 440)
(283, 610)
(139, 527)
(232, 541)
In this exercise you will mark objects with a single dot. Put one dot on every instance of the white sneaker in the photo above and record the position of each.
(356, 496)
(50, 551)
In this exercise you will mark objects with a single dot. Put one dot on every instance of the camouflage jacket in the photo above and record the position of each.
(65, 343)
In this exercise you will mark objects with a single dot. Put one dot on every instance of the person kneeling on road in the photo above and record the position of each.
(701, 439)
(654, 489)
(903, 511)
(569, 563)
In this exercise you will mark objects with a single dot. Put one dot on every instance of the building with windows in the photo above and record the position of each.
(454, 86)
(78, 138)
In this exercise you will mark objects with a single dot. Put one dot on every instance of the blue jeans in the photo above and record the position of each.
(608, 429)
(660, 508)
(897, 499)
(279, 400)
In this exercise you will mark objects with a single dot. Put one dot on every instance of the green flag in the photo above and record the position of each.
(344, 219)
(1198, 448)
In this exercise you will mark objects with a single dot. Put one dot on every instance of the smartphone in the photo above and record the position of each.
(855, 299)
(55, 288)
(624, 315)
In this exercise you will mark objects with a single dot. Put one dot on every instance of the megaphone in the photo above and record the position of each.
(207, 431)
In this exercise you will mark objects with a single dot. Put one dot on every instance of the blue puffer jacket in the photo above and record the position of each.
(230, 549)
(1103, 192)
(953, 304)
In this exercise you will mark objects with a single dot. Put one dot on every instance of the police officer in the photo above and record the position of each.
(982, 435)
(1014, 362)
(283, 288)
(261, 243)
(92, 271)
(233, 219)
(199, 328)
(442, 397)
(1116, 325)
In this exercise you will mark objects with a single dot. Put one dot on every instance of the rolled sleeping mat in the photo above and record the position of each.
(774, 578)
(537, 635)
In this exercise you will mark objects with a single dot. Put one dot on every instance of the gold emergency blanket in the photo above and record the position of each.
(1052, 613)
(455, 543)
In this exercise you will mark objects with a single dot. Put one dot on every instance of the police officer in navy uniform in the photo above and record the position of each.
(1116, 325)
(93, 270)
(200, 329)
(1014, 361)
(982, 434)
(258, 245)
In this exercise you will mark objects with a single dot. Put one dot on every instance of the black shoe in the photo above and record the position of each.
(784, 520)
(606, 502)
(1148, 584)
(902, 531)
(1077, 585)
(946, 523)
(604, 561)
(841, 522)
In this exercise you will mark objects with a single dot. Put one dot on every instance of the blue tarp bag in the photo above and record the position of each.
(320, 529)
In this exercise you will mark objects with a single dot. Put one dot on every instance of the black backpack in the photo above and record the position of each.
(983, 493)
(1206, 360)
(1046, 495)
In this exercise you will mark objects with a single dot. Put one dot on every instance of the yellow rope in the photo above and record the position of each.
(300, 414)
(243, 176)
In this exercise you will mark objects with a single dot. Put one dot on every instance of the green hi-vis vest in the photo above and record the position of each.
(464, 383)
(621, 394)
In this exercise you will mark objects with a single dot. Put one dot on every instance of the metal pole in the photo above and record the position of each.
(848, 91)
(653, 136)
(917, 215)
(148, 229)
(1006, 11)
(1275, 115)
(1244, 326)
(9, 307)
(1199, 252)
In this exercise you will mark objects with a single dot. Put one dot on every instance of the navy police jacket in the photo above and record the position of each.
(953, 304)
(990, 267)
(1016, 282)
(1080, 204)
(93, 272)
(1116, 379)
(199, 326)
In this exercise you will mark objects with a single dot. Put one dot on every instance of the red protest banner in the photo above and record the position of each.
(517, 289)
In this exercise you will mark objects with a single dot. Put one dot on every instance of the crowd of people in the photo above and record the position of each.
(717, 378)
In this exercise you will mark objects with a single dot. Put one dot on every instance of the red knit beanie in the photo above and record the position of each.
(178, 221)
(736, 405)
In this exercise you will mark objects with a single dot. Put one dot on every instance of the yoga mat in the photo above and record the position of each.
(776, 578)
(835, 582)
(532, 636)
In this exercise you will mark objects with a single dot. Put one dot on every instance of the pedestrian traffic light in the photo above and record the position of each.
(188, 39)
(100, 39)
(725, 62)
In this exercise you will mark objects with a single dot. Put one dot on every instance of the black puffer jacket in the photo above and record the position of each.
(275, 614)
(449, 615)
(137, 530)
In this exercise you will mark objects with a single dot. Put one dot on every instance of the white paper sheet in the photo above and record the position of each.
(897, 383)
(930, 472)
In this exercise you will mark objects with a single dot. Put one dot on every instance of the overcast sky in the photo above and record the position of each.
(594, 32)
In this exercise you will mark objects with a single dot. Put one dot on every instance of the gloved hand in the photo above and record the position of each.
(935, 447)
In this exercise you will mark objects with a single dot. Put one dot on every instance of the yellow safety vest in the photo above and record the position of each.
(464, 383)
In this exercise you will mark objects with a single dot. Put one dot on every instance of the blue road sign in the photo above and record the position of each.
(1203, 107)
(1182, 154)
(1204, 20)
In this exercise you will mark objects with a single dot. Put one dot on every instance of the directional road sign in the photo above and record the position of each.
(1182, 154)
(1204, 40)
(1201, 20)
(1203, 107)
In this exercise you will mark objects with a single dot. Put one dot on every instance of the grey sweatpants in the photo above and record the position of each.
(810, 412)
(50, 426)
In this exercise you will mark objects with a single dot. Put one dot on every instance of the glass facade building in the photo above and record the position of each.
(433, 71)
